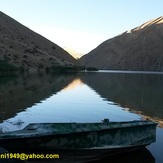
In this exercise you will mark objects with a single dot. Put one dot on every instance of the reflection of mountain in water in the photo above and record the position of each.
(138, 92)
(24, 91)
(74, 84)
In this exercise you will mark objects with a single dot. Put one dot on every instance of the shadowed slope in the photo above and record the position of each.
(137, 49)
(26, 49)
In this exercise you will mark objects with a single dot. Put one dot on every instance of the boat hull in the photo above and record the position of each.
(119, 136)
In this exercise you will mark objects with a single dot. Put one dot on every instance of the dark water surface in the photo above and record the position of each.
(85, 97)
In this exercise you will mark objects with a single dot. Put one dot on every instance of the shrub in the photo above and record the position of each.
(5, 66)
(11, 46)
(25, 56)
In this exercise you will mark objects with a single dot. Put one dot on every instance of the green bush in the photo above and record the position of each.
(5, 66)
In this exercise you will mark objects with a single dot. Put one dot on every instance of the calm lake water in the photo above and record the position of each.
(84, 97)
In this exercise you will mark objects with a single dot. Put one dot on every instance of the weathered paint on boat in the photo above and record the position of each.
(83, 136)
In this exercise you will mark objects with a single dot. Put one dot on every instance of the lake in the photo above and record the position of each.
(84, 97)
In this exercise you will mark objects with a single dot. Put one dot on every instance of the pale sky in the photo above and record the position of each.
(81, 25)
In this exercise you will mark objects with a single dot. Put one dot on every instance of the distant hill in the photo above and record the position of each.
(28, 50)
(73, 53)
(138, 49)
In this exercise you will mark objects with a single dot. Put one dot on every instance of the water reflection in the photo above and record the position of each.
(86, 97)
(19, 93)
(73, 84)
(139, 93)
(75, 102)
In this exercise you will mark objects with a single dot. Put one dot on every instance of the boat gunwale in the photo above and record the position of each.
(9, 135)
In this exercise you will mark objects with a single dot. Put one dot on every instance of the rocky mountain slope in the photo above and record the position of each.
(28, 50)
(138, 49)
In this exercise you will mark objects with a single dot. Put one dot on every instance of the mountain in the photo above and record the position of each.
(73, 53)
(138, 49)
(26, 49)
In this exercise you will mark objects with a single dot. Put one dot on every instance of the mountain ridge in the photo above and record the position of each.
(25, 48)
(137, 49)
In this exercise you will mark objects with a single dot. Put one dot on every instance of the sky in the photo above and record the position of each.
(81, 25)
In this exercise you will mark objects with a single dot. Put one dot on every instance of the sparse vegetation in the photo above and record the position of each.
(25, 56)
(16, 56)
(6, 67)
(6, 58)
(22, 69)
(32, 51)
(91, 69)
(63, 69)
(47, 69)
(40, 66)
(26, 50)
